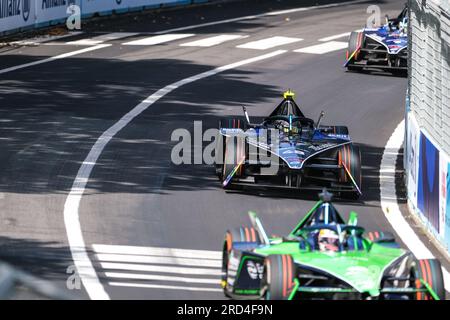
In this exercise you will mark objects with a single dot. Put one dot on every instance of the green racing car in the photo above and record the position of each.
(325, 257)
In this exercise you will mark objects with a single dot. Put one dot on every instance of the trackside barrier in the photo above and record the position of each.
(23, 15)
(427, 136)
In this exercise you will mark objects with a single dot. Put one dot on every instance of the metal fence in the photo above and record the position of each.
(427, 146)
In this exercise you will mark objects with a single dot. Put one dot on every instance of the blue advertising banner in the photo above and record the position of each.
(447, 210)
(428, 182)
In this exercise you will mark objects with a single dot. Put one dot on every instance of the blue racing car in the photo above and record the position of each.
(381, 48)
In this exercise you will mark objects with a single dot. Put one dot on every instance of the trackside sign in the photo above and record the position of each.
(20, 14)
(16, 14)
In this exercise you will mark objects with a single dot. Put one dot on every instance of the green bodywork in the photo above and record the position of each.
(362, 270)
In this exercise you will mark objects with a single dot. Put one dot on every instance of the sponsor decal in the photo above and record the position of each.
(255, 270)
(10, 8)
(428, 181)
(447, 208)
(49, 4)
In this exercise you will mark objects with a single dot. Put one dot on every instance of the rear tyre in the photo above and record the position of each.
(356, 38)
(241, 234)
(349, 158)
(278, 278)
(383, 238)
(430, 271)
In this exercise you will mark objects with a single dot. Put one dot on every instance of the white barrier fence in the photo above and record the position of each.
(427, 147)
(19, 15)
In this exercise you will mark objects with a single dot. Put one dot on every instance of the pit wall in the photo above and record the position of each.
(427, 136)
(23, 15)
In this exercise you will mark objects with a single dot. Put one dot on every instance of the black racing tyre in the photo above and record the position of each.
(349, 158)
(379, 236)
(233, 123)
(233, 152)
(383, 238)
(229, 123)
(339, 130)
(219, 152)
(353, 43)
(430, 271)
(278, 278)
(241, 234)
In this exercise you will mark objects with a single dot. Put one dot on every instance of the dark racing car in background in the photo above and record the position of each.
(325, 257)
(309, 156)
(382, 48)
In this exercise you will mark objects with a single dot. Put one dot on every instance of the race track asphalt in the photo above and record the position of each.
(51, 114)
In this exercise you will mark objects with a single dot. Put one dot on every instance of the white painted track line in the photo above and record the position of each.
(389, 205)
(42, 39)
(157, 286)
(323, 47)
(153, 277)
(58, 57)
(157, 251)
(268, 43)
(75, 238)
(160, 269)
(159, 260)
(102, 38)
(336, 36)
(213, 41)
(153, 40)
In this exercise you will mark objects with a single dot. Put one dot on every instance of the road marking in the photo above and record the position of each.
(76, 242)
(41, 39)
(58, 57)
(160, 269)
(160, 264)
(153, 40)
(199, 262)
(102, 38)
(268, 43)
(323, 47)
(213, 41)
(158, 286)
(337, 36)
(157, 251)
(390, 206)
(140, 276)
(262, 15)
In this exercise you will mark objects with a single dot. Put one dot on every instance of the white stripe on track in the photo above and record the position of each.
(159, 260)
(158, 286)
(268, 43)
(153, 40)
(213, 41)
(76, 242)
(323, 47)
(58, 57)
(160, 269)
(336, 36)
(157, 251)
(102, 38)
(154, 277)
(389, 205)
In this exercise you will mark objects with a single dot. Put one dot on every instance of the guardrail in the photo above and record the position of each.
(23, 15)
(427, 143)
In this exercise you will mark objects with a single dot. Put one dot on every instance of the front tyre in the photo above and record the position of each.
(355, 41)
(241, 234)
(278, 279)
(430, 272)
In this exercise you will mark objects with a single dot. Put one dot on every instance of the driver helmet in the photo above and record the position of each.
(328, 240)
